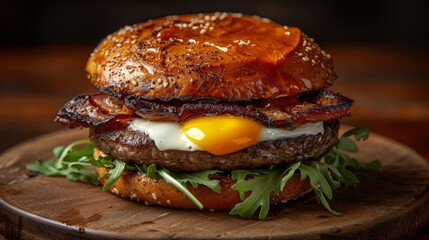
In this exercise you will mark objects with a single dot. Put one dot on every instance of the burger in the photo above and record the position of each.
(213, 111)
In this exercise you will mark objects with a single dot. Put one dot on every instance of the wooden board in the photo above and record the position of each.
(389, 204)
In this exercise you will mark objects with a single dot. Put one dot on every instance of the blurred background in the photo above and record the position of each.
(379, 48)
(339, 22)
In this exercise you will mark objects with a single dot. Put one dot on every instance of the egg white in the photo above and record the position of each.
(169, 135)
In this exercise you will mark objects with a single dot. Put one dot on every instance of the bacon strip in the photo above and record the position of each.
(83, 111)
(281, 112)
(108, 113)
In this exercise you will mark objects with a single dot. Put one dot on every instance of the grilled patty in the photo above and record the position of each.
(137, 148)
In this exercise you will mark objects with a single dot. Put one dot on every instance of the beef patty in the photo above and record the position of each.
(137, 148)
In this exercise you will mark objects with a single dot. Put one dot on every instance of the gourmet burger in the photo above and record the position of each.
(202, 111)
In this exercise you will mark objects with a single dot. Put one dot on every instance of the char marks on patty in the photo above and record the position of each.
(137, 148)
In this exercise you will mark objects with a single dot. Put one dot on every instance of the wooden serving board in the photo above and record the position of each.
(389, 204)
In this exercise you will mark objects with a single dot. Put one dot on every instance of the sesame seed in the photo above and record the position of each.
(305, 59)
(287, 33)
(168, 201)
(154, 196)
(312, 61)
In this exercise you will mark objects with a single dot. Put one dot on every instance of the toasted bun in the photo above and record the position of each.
(220, 55)
(138, 187)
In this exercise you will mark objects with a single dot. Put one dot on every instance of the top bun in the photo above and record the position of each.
(209, 56)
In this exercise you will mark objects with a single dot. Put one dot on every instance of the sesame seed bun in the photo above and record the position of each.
(138, 187)
(219, 56)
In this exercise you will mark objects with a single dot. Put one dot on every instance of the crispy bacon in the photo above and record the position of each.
(88, 111)
(286, 112)
(109, 113)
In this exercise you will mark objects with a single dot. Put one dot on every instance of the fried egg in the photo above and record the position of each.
(218, 135)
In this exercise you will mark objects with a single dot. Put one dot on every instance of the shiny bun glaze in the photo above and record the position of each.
(218, 55)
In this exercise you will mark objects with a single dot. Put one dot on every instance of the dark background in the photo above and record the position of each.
(340, 22)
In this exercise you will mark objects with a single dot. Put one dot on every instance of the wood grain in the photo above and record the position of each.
(389, 204)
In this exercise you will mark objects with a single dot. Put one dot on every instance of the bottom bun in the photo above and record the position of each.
(137, 186)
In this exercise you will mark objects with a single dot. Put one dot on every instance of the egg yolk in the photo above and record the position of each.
(222, 134)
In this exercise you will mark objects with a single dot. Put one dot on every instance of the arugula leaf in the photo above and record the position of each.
(347, 145)
(196, 178)
(69, 149)
(57, 151)
(151, 171)
(289, 173)
(180, 180)
(71, 162)
(360, 133)
(319, 183)
(260, 186)
(165, 174)
(113, 174)
(45, 167)
(239, 176)
(372, 166)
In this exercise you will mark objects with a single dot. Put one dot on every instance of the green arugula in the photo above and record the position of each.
(325, 175)
(179, 180)
(73, 160)
(113, 174)
(261, 184)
